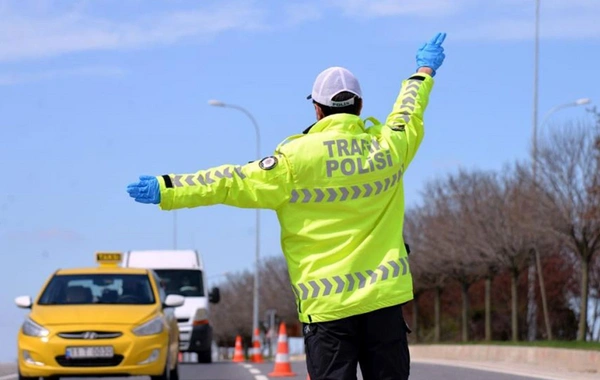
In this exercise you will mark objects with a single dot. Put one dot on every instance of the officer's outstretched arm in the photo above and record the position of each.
(259, 184)
(405, 122)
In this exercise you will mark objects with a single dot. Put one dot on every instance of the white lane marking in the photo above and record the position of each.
(252, 370)
(13, 376)
(483, 367)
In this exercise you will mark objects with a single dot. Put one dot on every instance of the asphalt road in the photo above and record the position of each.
(7, 369)
(251, 371)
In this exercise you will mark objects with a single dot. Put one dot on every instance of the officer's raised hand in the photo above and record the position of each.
(431, 54)
(146, 190)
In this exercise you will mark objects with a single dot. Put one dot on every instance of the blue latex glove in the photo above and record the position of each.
(146, 190)
(431, 54)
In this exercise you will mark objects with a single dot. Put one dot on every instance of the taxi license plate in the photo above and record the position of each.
(89, 352)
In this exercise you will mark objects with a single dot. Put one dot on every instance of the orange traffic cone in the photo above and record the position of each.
(257, 356)
(283, 367)
(238, 353)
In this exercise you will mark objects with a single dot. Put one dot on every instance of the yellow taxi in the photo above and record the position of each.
(105, 320)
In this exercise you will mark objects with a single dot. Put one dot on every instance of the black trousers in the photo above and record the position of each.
(376, 340)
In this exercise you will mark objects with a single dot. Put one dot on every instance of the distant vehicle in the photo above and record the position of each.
(182, 273)
(100, 321)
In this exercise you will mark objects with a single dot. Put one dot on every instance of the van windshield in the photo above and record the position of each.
(185, 282)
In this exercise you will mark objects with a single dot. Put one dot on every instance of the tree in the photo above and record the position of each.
(276, 290)
(449, 224)
(426, 273)
(594, 325)
(477, 190)
(509, 229)
(570, 168)
(232, 316)
(472, 192)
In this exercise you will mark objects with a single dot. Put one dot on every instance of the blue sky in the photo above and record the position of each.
(94, 94)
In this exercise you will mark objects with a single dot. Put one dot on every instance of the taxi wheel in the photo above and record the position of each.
(21, 377)
(163, 376)
(166, 375)
(175, 373)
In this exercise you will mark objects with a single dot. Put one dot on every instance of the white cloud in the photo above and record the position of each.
(484, 20)
(391, 8)
(7, 79)
(42, 28)
(46, 34)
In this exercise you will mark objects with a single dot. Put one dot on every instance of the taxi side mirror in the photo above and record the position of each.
(24, 302)
(174, 300)
(215, 295)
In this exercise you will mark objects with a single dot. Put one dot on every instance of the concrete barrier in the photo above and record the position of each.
(547, 358)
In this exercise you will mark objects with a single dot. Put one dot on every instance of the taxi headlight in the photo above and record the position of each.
(31, 328)
(152, 327)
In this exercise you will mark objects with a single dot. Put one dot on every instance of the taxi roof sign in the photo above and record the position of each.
(109, 258)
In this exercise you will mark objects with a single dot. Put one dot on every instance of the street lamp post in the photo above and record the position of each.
(578, 102)
(174, 229)
(217, 103)
(531, 307)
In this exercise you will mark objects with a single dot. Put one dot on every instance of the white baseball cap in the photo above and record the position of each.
(331, 82)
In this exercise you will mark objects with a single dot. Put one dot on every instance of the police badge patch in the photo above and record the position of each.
(268, 163)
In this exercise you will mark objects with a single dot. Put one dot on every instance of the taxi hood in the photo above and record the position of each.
(92, 314)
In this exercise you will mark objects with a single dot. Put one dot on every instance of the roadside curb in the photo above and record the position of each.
(297, 358)
(548, 358)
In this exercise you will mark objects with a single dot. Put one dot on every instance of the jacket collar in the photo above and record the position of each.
(337, 122)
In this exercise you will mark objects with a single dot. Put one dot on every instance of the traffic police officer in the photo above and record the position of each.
(338, 192)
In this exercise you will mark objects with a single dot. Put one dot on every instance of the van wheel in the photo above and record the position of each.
(205, 356)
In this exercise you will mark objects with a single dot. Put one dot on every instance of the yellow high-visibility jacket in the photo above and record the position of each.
(339, 197)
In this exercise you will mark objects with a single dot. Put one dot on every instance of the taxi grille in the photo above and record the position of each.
(96, 362)
(90, 335)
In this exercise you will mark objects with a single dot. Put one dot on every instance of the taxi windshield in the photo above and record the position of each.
(89, 289)
(185, 282)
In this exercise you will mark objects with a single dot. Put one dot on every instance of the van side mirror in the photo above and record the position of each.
(215, 295)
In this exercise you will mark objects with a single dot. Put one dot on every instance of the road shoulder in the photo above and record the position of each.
(513, 369)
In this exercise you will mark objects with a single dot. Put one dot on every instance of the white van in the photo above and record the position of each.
(182, 272)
